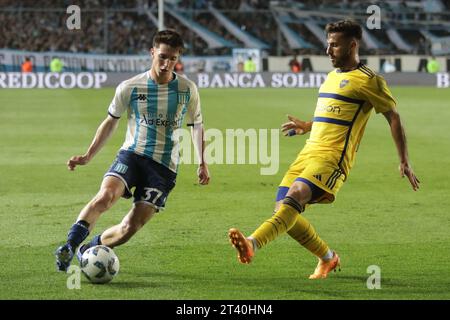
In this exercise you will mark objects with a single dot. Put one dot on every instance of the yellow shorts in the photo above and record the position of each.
(321, 172)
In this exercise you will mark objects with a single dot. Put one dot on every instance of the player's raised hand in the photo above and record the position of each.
(77, 160)
(295, 126)
(203, 174)
(406, 170)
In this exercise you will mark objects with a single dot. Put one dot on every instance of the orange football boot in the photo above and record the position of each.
(325, 267)
(243, 245)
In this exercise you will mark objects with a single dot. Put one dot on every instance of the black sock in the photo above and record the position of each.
(77, 233)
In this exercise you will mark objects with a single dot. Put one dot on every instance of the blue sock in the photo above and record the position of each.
(96, 241)
(77, 233)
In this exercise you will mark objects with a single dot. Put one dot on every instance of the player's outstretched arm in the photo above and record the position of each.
(399, 136)
(198, 140)
(104, 131)
(295, 126)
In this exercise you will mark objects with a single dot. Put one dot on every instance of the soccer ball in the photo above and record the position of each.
(99, 264)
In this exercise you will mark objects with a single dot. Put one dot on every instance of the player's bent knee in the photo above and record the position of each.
(300, 191)
(104, 200)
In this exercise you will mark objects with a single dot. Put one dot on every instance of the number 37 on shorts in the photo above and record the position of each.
(154, 196)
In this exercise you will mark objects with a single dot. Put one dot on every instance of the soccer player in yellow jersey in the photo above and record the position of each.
(345, 102)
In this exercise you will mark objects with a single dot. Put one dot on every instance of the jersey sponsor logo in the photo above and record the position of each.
(330, 109)
(343, 83)
(152, 121)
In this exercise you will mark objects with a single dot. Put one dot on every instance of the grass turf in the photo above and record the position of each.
(184, 252)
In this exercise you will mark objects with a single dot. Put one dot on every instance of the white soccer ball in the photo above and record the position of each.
(99, 264)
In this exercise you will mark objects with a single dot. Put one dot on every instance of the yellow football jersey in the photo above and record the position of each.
(345, 102)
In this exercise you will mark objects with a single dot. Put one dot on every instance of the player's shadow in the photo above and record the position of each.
(134, 284)
(145, 280)
(363, 279)
(171, 275)
(351, 277)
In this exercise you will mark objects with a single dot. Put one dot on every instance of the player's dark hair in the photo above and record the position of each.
(169, 37)
(350, 28)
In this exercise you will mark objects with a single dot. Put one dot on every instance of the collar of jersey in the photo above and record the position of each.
(153, 81)
(340, 71)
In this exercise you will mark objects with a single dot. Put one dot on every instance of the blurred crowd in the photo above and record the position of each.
(123, 27)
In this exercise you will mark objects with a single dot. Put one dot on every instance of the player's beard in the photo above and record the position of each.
(342, 61)
(339, 63)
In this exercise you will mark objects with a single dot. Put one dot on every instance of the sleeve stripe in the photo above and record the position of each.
(366, 72)
(113, 115)
(193, 124)
(367, 69)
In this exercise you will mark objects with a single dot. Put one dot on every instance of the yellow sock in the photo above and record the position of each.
(304, 233)
(280, 222)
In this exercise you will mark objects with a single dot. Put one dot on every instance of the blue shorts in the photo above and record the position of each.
(316, 192)
(152, 181)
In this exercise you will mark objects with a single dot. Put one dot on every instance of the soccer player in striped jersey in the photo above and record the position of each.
(156, 103)
(345, 102)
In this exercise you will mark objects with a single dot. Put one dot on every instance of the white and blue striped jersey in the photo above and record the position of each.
(155, 111)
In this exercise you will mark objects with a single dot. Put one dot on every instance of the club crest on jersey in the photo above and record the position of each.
(343, 83)
(183, 97)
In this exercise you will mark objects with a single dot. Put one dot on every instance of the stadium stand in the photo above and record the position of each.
(214, 27)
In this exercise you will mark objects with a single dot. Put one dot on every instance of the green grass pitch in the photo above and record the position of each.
(184, 252)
